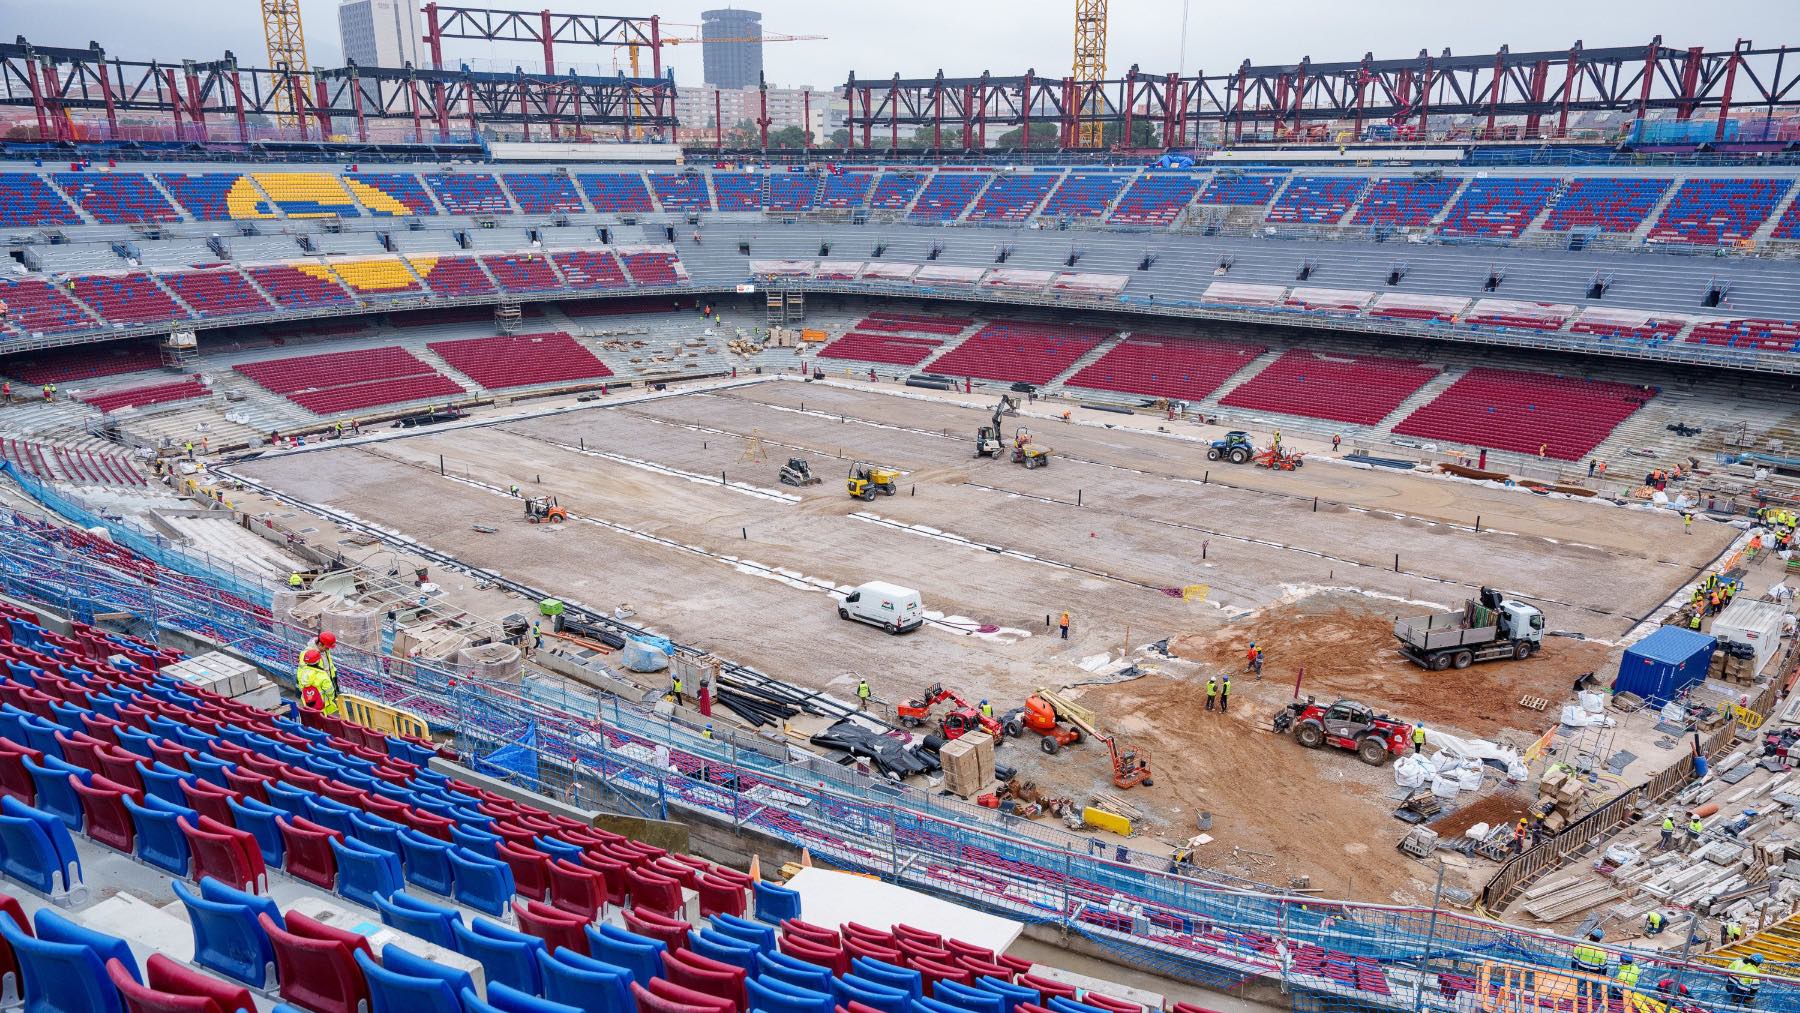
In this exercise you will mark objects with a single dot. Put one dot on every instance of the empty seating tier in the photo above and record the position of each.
(522, 360)
(681, 191)
(1242, 189)
(1712, 212)
(392, 194)
(543, 193)
(895, 190)
(791, 191)
(1605, 203)
(25, 199)
(452, 276)
(1085, 194)
(1155, 199)
(374, 277)
(1155, 365)
(522, 272)
(846, 189)
(738, 191)
(127, 298)
(893, 349)
(375, 393)
(590, 269)
(1362, 390)
(84, 363)
(220, 292)
(292, 288)
(1563, 417)
(308, 194)
(889, 320)
(616, 192)
(471, 193)
(216, 196)
(1405, 203)
(1759, 335)
(947, 195)
(1014, 197)
(156, 393)
(1317, 200)
(655, 267)
(34, 306)
(334, 369)
(1789, 226)
(1020, 352)
(1499, 206)
(117, 198)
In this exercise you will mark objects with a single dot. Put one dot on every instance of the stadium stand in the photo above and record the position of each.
(216, 196)
(1498, 206)
(1014, 197)
(948, 195)
(292, 288)
(893, 320)
(216, 292)
(308, 194)
(522, 272)
(1361, 390)
(1165, 366)
(896, 188)
(522, 360)
(1407, 203)
(25, 199)
(34, 306)
(1155, 199)
(67, 365)
(738, 191)
(1789, 225)
(1603, 323)
(846, 189)
(1606, 203)
(1715, 211)
(681, 191)
(115, 198)
(543, 193)
(376, 393)
(1765, 335)
(790, 191)
(590, 269)
(1241, 189)
(349, 381)
(132, 298)
(392, 194)
(654, 267)
(1564, 417)
(1317, 200)
(374, 277)
(469, 193)
(156, 393)
(451, 276)
(1020, 352)
(891, 349)
(1085, 194)
(614, 192)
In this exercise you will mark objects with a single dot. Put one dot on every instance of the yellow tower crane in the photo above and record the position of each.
(1089, 67)
(287, 48)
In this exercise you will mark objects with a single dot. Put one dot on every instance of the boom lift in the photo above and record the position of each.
(1131, 764)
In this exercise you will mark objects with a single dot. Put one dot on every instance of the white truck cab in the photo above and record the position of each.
(894, 608)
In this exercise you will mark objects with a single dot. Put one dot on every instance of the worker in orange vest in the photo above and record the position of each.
(1063, 622)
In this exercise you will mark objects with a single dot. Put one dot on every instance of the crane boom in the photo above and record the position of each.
(286, 42)
(1089, 67)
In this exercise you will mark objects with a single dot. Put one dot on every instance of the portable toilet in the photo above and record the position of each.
(1664, 663)
(1754, 623)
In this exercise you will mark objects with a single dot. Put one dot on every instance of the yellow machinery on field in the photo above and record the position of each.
(866, 480)
(1027, 451)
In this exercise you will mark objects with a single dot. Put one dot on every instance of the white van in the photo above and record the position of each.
(893, 608)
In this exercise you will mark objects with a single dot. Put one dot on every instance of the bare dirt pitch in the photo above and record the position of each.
(675, 515)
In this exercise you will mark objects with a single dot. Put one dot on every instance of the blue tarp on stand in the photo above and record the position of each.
(1664, 663)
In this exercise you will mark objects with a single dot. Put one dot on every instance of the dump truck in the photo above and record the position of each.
(866, 480)
(1028, 451)
(1490, 627)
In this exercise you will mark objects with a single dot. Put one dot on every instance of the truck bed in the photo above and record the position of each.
(1439, 631)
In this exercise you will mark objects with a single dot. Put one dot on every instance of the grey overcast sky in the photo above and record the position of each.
(876, 38)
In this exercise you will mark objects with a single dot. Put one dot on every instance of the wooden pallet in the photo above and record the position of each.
(1536, 703)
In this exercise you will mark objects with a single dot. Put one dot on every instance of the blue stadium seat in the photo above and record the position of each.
(392, 992)
(794, 971)
(36, 849)
(227, 937)
(772, 995)
(975, 1000)
(592, 986)
(430, 922)
(508, 956)
(893, 976)
(723, 948)
(160, 841)
(54, 795)
(366, 872)
(776, 904)
(60, 976)
(1010, 993)
(759, 933)
(257, 819)
(851, 988)
(427, 861)
(484, 884)
(403, 961)
(617, 946)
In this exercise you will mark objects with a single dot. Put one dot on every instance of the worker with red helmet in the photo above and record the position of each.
(318, 688)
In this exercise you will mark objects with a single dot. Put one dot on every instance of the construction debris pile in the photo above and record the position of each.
(1561, 794)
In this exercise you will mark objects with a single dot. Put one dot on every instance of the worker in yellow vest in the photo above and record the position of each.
(1625, 977)
(318, 690)
(1589, 959)
(1668, 831)
(1655, 922)
(1212, 691)
(1743, 981)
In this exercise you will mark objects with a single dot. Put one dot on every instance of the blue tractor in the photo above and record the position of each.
(1235, 447)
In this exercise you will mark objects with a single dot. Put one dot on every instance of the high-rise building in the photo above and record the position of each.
(380, 33)
(732, 64)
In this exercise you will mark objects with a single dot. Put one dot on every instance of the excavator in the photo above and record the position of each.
(1043, 709)
(988, 439)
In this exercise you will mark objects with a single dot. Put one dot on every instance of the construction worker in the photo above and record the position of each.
(1694, 829)
(1668, 831)
(1521, 832)
(1418, 738)
(706, 733)
(6, 390)
(1212, 691)
(1694, 620)
(1589, 958)
(987, 709)
(1655, 922)
(512, 490)
(49, 392)
(1277, 439)
(1743, 983)
(675, 688)
(1687, 523)
(188, 448)
(862, 694)
(323, 643)
(1250, 657)
(537, 635)
(1337, 440)
(1063, 622)
(318, 690)
(296, 581)
(1625, 977)
(1225, 694)
(1730, 932)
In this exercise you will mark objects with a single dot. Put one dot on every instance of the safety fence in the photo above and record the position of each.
(572, 744)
